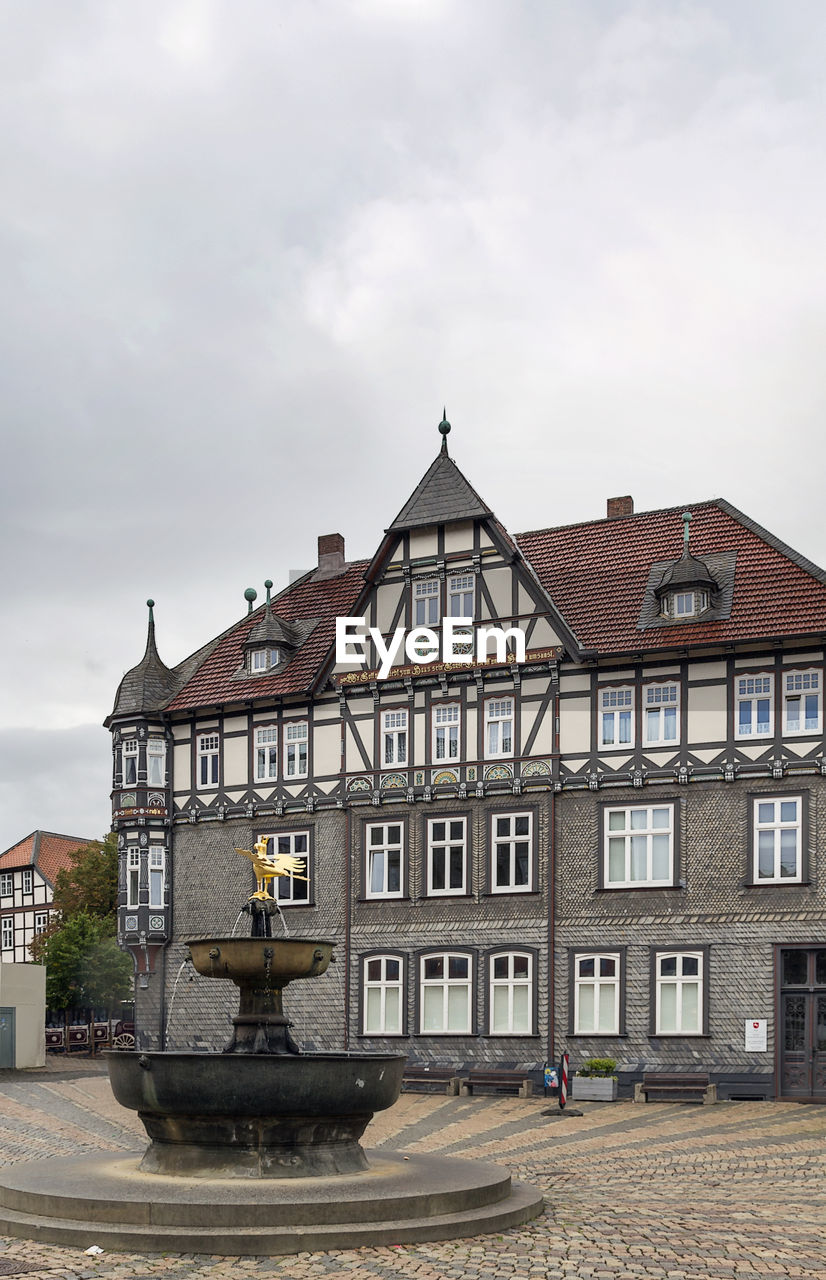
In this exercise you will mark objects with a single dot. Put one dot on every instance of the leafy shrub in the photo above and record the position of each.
(598, 1067)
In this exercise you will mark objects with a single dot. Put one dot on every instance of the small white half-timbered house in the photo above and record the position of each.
(27, 876)
(597, 827)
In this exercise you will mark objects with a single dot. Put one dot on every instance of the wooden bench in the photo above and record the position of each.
(501, 1081)
(415, 1078)
(676, 1086)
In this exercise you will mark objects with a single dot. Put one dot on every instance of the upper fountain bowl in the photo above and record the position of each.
(276, 961)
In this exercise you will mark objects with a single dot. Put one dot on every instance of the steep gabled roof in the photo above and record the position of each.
(317, 603)
(149, 685)
(442, 495)
(46, 850)
(598, 576)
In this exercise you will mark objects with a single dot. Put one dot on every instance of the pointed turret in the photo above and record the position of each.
(148, 686)
(442, 495)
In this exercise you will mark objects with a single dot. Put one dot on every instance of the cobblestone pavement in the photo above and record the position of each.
(681, 1192)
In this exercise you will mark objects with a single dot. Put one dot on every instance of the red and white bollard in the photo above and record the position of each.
(563, 1081)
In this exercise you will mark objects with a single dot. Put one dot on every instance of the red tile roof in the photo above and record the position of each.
(45, 850)
(325, 599)
(597, 573)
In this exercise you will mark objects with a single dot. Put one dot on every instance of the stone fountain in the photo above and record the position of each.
(256, 1150)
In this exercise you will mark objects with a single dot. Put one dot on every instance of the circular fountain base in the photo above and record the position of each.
(106, 1200)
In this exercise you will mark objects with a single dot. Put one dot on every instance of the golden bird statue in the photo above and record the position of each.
(268, 867)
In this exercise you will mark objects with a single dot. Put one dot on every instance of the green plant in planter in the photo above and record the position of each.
(602, 1067)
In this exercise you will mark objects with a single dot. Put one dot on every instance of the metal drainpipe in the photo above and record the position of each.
(552, 891)
(347, 909)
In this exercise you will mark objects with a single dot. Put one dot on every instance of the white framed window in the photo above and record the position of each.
(208, 748)
(802, 707)
(446, 856)
(616, 717)
(445, 991)
(41, 921)
(685, 604)
(157, 864)
(133, 877)
(498, 727)
(384, 860)
(778, 839)
(130, 762)
(661, 714)
(446, 728)
(296, 747)
(512, 848)
(426, 612)
(266, 753)
(639, 846)
(460, 590)
(292, 891)
(511, 994)
(679, 996)
(394, 737)
(7, 933)
(263, 660)
(597, 994)
(382, 996)
(6, 884)
(156, 762)
(754, 706)
(28, 881)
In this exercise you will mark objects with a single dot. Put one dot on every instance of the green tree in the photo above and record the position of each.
(91, 883)
(84, 966)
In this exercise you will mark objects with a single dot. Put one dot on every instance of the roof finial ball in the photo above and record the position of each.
(250, 595)
(686, 524)
(444, 428)
(150, 604)
(268, 585)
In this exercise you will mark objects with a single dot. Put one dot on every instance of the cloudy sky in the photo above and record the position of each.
(250, 248)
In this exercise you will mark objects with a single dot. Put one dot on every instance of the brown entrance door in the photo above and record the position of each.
(803, 1022)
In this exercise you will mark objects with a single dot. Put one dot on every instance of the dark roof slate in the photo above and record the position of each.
(441, 496)
(148, 686)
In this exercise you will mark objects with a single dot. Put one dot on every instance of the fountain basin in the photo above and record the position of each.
(273, 961)
(255, 1115)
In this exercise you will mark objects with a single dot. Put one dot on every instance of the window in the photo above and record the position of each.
(498, 727)
(616, 719)
(446, 855)
(41, 921)
(296, 743)
(661, 713)
(511, 994)
(156, 870)
(685, 604)
(596, 994)
(679, 1000)
(263, 659)
(801, 702)
(445, 994)
(460, 595)
(446, 725)
(778, 839)
(208, 744)
(6, 884)
(639, 846)
(156, 762)
(130, 762)
(753, 712)
(382, 998)
(384, 860)
(394, 737)
(7, 933)
(426, 602)
(266, 753)
(28, 881)
(292, 890)
(512, 853)
(133, 877)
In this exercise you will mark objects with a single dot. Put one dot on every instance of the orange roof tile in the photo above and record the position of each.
(46, 850)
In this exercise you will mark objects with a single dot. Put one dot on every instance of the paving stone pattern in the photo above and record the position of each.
(634, 1192)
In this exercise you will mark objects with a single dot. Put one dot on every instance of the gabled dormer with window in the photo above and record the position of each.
(687, 588)
(271, 642)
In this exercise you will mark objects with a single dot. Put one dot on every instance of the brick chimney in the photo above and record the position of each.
(330, 555)
(620, 507)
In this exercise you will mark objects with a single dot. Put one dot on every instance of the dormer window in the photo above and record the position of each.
(687, 587)
(263, 660)
(684, 604)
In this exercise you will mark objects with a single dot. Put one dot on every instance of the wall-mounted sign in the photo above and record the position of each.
(756, 1034)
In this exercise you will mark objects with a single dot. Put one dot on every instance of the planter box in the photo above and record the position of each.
(595, 1088)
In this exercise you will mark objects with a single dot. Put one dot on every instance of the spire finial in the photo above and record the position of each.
(250, 595)
(444, 427)
(686, 522)
(150, 604)
(268, 585)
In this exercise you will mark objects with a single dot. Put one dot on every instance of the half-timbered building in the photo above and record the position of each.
(27, 878)
(597, 829)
